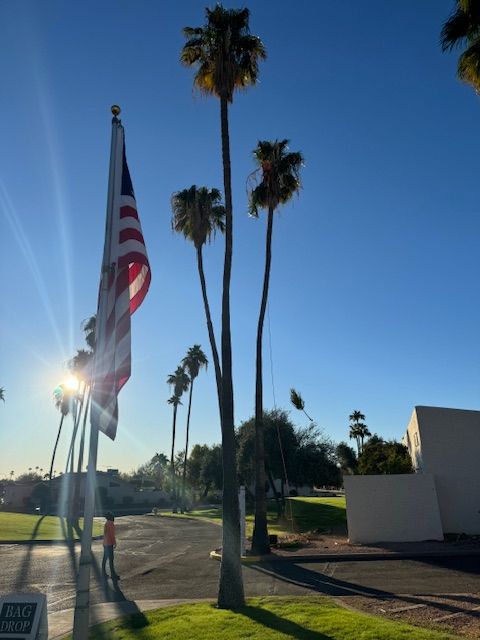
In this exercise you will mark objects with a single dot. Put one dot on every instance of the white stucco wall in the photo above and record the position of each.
(392, 508)
(449, 448)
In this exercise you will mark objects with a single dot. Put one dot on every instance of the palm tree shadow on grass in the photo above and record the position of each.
(281, 625)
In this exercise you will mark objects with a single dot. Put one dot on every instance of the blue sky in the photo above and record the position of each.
(374, 299)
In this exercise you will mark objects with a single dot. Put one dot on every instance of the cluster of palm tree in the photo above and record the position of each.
(358, 429)
(181, 380)
(76, 403)
(226, 57)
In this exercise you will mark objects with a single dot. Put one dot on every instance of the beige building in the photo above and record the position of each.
(446, 444)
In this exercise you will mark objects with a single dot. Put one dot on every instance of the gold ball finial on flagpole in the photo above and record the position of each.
(115, 110)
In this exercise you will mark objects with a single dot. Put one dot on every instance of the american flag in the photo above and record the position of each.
(123, 286)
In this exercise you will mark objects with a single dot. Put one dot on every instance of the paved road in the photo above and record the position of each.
(168, 558)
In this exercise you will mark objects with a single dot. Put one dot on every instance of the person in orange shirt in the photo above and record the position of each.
(109, 543)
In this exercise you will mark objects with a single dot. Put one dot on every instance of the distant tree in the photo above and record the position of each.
(31, 476)
(153, 472)
(308, 456)
(2, 394)
(204, 469)
(278, 172)
(225, 57)
(192, 362)
(462, 29)
(384, 457)
(347, 458)
(358, 430)
(179, 381)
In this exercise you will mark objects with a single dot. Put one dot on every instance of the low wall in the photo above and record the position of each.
(392, 508)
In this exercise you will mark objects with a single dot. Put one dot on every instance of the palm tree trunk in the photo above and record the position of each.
(211, 334)
(172, 465)
(76, 495)
(51, 464)
(230, 587)
(260, 541)
(182, 506)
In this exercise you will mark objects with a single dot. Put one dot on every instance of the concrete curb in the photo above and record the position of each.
(352, 557)
(48, 542)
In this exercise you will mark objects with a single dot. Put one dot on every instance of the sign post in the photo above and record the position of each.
(23, 617)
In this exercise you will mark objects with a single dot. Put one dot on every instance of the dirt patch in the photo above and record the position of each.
(336, 541)
(457, 613)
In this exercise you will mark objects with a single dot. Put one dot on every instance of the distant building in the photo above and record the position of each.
(446, 443)
(112, 493)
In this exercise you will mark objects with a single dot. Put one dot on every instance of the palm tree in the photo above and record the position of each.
(226, 58)
(180, 381)
(279, 180)
(358, 430)
(193, 362)
(462, 29)
(2, 394)
(198, 213)
(62, 397)
(298, 402)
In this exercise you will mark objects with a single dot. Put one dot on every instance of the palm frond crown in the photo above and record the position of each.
(462, 29)
(223, 51)
(279, 177)
(179, 381)
(198, 213)
(297, 400)
(194, 361)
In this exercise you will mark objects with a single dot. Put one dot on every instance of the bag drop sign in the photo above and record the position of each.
(23, 617)
(17, 617)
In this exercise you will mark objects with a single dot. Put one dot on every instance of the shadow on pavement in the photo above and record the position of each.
(322, 583)
(21, 577)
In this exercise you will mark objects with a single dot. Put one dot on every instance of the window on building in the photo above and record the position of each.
(415, 438)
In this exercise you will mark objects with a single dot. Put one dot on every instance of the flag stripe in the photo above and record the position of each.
(127, 281)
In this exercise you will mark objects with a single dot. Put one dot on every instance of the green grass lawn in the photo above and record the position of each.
(305, 618)
(23, 526)
(307, 515)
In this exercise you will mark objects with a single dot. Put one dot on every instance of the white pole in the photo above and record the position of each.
(82, 601)
(241, 499)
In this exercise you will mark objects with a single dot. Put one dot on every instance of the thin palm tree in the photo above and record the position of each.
(226, 58)
(298, 402)
(279, 179)
(62, 396)
(198, 213)
(2, 394)
(179, 381)
(192, 362)
(462, 29)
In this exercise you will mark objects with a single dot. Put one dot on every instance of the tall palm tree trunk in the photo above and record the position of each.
(211, 334)
(182, 506)
(260, 541)
(230, 588)
(51, 464)
(172, 465)
(76, 494)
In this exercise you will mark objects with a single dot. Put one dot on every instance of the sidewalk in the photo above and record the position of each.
(60, 623)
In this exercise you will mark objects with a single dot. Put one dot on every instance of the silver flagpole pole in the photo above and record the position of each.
(82, 600)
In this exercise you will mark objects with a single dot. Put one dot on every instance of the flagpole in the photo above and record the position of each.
(82, 599)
